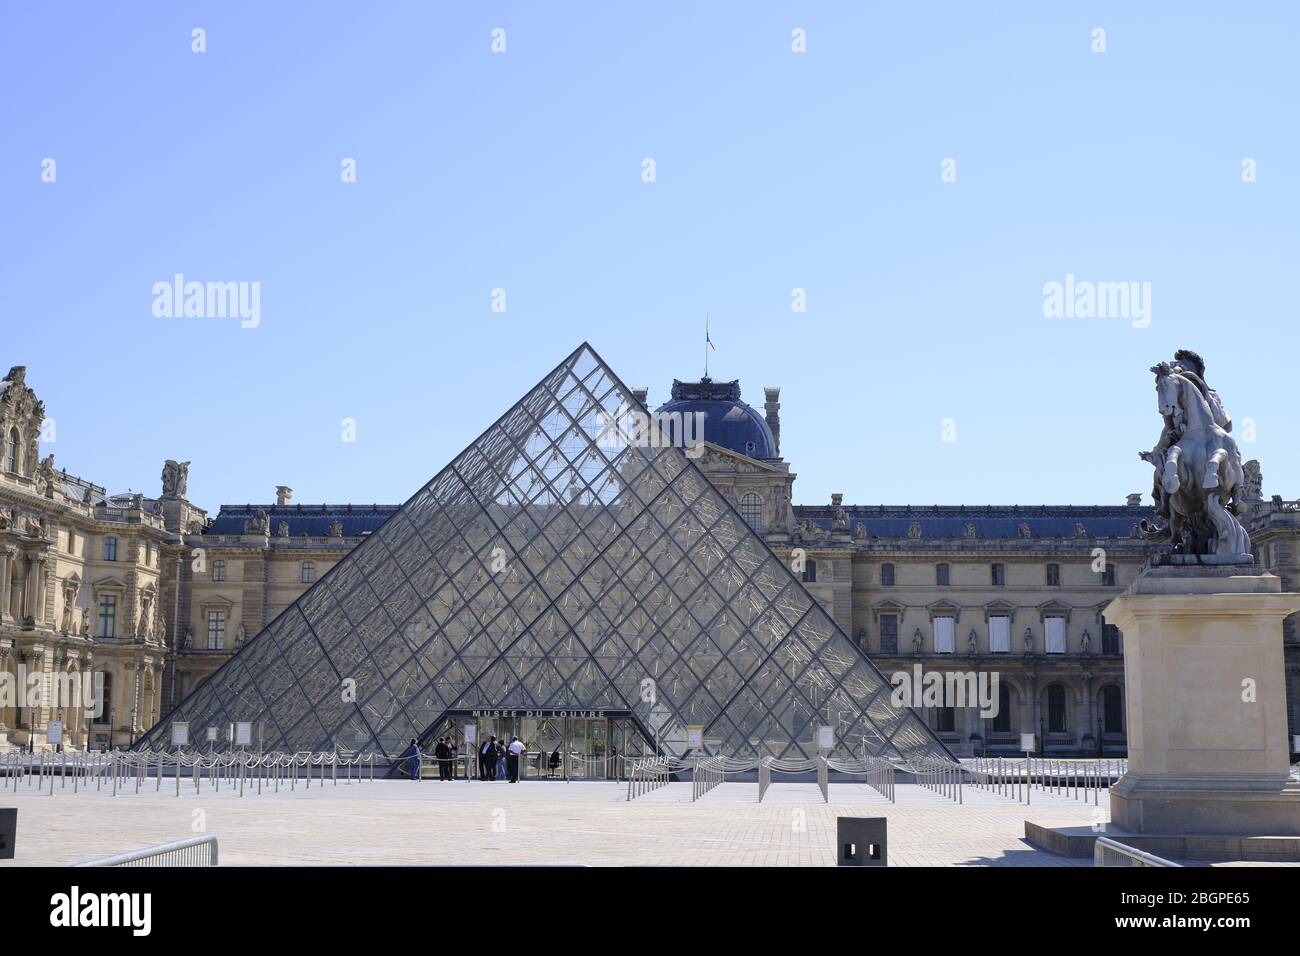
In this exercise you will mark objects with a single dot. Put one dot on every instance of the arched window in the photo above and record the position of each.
(11, 451)
(941, 575)
(308, 572)
(887, 575)
(1002, 720)
(1112, 709)
(1056, 709)
(751, 509)
(103, 710)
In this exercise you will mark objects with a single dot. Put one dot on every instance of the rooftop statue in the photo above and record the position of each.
(1198, 483)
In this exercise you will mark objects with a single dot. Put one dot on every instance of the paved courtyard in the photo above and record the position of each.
(535, 822)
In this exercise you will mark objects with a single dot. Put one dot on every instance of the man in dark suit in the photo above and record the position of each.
(440, 752)
(487, 759)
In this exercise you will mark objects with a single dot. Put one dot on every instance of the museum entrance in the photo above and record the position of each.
(558, 744)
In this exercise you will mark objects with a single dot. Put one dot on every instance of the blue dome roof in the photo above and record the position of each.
(728, 421)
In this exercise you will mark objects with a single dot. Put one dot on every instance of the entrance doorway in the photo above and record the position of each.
(572, 745)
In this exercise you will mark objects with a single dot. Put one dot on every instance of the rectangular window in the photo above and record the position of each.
(218, 570)
(945, 630)
(945, 720)
(810, 571)
(1108, 575)
(72, 541)
(941, 575)
(1109, 639)
(889, 633)
(1055, 635)
(999, 574)
(1000, 634)
(216, 630)
(107, 615)
(887, 575)
(110, 548)
(308, 572)
(1053, 575)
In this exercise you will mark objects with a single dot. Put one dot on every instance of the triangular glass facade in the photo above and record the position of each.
(549, 567)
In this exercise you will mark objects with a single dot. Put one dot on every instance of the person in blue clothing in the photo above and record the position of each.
(413, 764)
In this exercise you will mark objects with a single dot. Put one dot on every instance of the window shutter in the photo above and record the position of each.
(1000, 634)
(1056, 635)
(944, 630)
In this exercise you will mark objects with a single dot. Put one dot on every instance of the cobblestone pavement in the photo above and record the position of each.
(534, 822)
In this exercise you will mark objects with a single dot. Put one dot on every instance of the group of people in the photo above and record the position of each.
(497, 760)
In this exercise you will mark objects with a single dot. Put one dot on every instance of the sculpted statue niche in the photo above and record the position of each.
(1199, 482)
(175, 478)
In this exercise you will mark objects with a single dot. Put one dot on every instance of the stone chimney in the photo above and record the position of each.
(283, 495)
(773, 409)
(641, 394)
(1134, 500)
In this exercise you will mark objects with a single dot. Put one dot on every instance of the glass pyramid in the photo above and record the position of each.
(549, 567)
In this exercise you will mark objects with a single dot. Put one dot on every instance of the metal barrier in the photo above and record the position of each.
(824, 779)
(1070, 778)
(1108, 852)
(764, 777)
(708, 773)
(196, 851)
(119, 770)
(646, 775)
(942, 776)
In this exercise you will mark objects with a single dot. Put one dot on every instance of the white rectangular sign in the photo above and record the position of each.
(825, 738)
(180, 733)
(695, 737)
(54, 733)
(471, 733)
(243, 734)
(212, 735)
(1028, 743)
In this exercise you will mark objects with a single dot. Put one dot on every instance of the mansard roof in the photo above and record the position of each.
(988, 521)
(311, 520)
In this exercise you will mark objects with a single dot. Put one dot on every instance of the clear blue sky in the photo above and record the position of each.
(522, 171)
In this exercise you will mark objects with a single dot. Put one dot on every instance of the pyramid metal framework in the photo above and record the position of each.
(549, 566)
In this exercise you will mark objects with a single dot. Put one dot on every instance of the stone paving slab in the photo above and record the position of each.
(539, 822)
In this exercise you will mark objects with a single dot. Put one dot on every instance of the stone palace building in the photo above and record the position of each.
(148, 596)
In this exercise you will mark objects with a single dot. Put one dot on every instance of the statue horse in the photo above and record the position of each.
(1199, 472)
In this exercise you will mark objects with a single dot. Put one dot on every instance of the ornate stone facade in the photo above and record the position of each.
(156, 594)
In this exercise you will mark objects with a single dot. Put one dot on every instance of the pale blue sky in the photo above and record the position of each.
(522, 170)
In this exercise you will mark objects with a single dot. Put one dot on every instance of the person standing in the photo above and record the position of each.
(440, 753)
(514, 754)
(487, 759)
(453, 751)
(412, 753)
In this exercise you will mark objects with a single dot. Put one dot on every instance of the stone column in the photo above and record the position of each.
(138, 667)
(6, 568)
(38, 587)
(1204, 688)
(1091, 709)
(1029, 707)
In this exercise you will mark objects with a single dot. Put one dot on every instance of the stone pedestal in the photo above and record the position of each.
(1206, 704)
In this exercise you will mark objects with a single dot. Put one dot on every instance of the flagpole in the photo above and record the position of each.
(706, 345)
